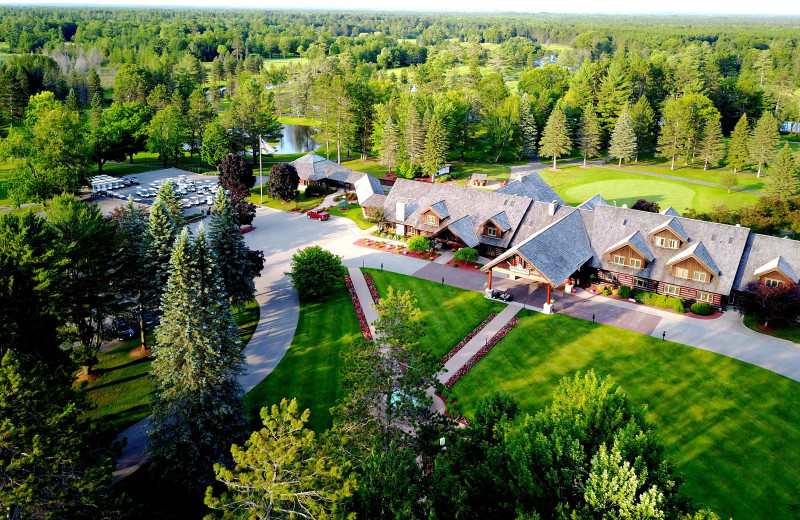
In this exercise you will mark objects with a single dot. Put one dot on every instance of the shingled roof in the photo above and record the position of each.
(635, 240)
(698, 251)
(673, 225)
(369, 191)
(533, 187)
(670, 211)
(780, 264)
(312, 167)
(595, 201)
(760, 252)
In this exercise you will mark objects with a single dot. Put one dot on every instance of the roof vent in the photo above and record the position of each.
(400, 211)
(738, 225)
(518, 177)
(625, 206)
(730, 240)
(624, 222)
(551, 208)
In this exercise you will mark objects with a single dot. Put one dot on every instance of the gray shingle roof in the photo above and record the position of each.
(590, 204)
(637, 241)
(670, 211)
(533, 187)
(465, 230)
(441, 209)
(777, 263)
(369, 191)
(312, 167)
(699, 251)
(501, 219)
(760, 251)
(675, 226)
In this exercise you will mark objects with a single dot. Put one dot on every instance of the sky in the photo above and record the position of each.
(779, 7)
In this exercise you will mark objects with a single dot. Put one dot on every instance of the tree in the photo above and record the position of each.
(166, 134)
(728, 180)
(777, 306)
(50, 467)
(234, 170)
(188, 74)
(282, 471)
(783, 179)
(197, 407)
(106, 136)
(615, 92)
(712, 149)
(589, 133)
(420, 244)
(126, 126)
(503, 133)
(94, 85)
(466, 254)
(199, 114)
(71, 104)
(235, 268)
(413, 134)
(436, 145)
(738, 156)
(555, 140)
(166, 194)
(643, 123)
(157, 243)
(315, 272)
(283, 182)
(132, 84)
(389, 485)
(251, 114)
(763, 141)
(623, 138)
(646, 205)
(527, 125)
(390, 145)
(216, 144)
(133, 280)
(683, 120)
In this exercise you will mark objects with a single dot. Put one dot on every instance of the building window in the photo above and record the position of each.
(681, 272)
(674, 290)
(636, 263)
(769, 282)
(491, 232)
(638, 283)
(669, 243)
(609, 277)
(619, 260)
(432, 220)
(700, 276)
(705, 297)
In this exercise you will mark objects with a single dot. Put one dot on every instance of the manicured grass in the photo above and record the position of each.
(353, 213)
(556, 47)
(311, 368)
(494, 172)
(449, 313)
(788, 333)
(294, 120)
(747, 180)
(121, 395)
(5, 172)
(576, 184)
(281, 62)
(369, 166)
(732, 428)
(303, 202)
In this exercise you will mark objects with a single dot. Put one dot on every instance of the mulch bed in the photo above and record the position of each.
(765, 328)
(380, 245)
(689, 313)
(473, 267)
(454, 350)
(362, 320)
(373, 291)
(482, 352)
(246, 230)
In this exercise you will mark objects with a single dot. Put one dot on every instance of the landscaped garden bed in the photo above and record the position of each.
(660, 301)
(362, 320)
(482, 352)
(475, 332)
(466, 266)
(373, 291)
(399, 249)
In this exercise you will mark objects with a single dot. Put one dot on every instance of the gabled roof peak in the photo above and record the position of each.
(636, 241)
(592, 203)
(779, 264)
(670, 211)
(675, 226)
(699, 251)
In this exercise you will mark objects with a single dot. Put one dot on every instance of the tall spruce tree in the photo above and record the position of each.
(230, 251)
(436, 145)
(763, 141)
(413, 135)
(623, 139)
(644, 119)
(527, 125)
(738, 156)
(615, 91)
(390, 145)
(555, 140)
(134, 280)
(197, 407)
(157, 243)
(589, 133)
(783, 178)
(166, 194)
(71, 103)
(712, 149)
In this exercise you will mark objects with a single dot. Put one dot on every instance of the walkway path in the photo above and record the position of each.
(364, 296)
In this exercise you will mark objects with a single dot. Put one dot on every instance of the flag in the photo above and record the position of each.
(266, 148)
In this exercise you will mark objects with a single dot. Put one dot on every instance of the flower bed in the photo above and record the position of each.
(454, 350)
(399, 249)
(246, 230)
(373, 291)
(482, 352)
(362, 320)
(467, 266)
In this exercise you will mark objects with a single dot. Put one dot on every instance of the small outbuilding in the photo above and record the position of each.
(479, 179)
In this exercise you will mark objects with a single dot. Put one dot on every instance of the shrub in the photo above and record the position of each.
(314, 191)
(443, 178)
(615, 292)
(702, 309)
(455, 264)
(624, 291)
(315, 271)
(466, 254)
(605, 292)
(419, 243)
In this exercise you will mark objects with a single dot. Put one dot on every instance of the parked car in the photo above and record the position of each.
(135, 180)
(318, 214)
(125, 331)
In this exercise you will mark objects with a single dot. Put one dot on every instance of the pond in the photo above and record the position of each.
(296, 139)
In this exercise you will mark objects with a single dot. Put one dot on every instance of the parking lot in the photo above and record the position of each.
(196, 191)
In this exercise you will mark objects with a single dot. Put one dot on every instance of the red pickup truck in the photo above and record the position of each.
(318, 214)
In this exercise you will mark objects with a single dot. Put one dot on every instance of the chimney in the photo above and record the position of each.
(551, 208)
(400, 211)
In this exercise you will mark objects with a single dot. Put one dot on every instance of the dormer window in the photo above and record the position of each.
(769, 282)
(619, 260)
(490, 231)
(669, 243)
(681, 272)
(432, 220)
(636, 263)
(700, 276)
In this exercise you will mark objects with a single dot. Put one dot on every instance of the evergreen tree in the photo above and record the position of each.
(527, 125)
(197, 408)
(134, 280)
(738, 156)
(643, 123)
(166, 194)
(555, 140)
(589, 133)
(436, 145)
(94, 85)
(216, 144)
(623, 139)
(783, 175)
(71, 103)
(712, 149)
(413, 134)
(230, 252)
(763, 141)
(390, 145)
(157, 243)
(615, 91)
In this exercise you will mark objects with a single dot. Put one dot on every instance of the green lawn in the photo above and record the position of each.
(121, 395)
(369, 166)
(354, 214)
(747, 180)
(449, 313)
(303, 202)
(281, 62)
(5, 171)
(310, 369)
(576, 184)
(294, 120)
(732, 428)
(494, 172)
(789, 333)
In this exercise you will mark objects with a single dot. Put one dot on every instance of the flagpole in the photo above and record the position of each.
(260, 170)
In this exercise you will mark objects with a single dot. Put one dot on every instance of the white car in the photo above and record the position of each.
(210, 200)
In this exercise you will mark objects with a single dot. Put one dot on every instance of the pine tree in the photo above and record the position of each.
(623, 139)
(414, 135)
(157, 243)
(230, 251)
(589, 133)
(783, 175)
(135, 281)
(615, 91)
(436, 145)
(71, 103)
(712, 149)
(643, 123)
(95, 87)
(166, 194)
(763, 141)
(738, 156)
(390, 145)
(555, 140)
(197, 407)
(527, 124)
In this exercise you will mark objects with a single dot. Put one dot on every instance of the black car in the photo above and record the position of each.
(125, 331)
